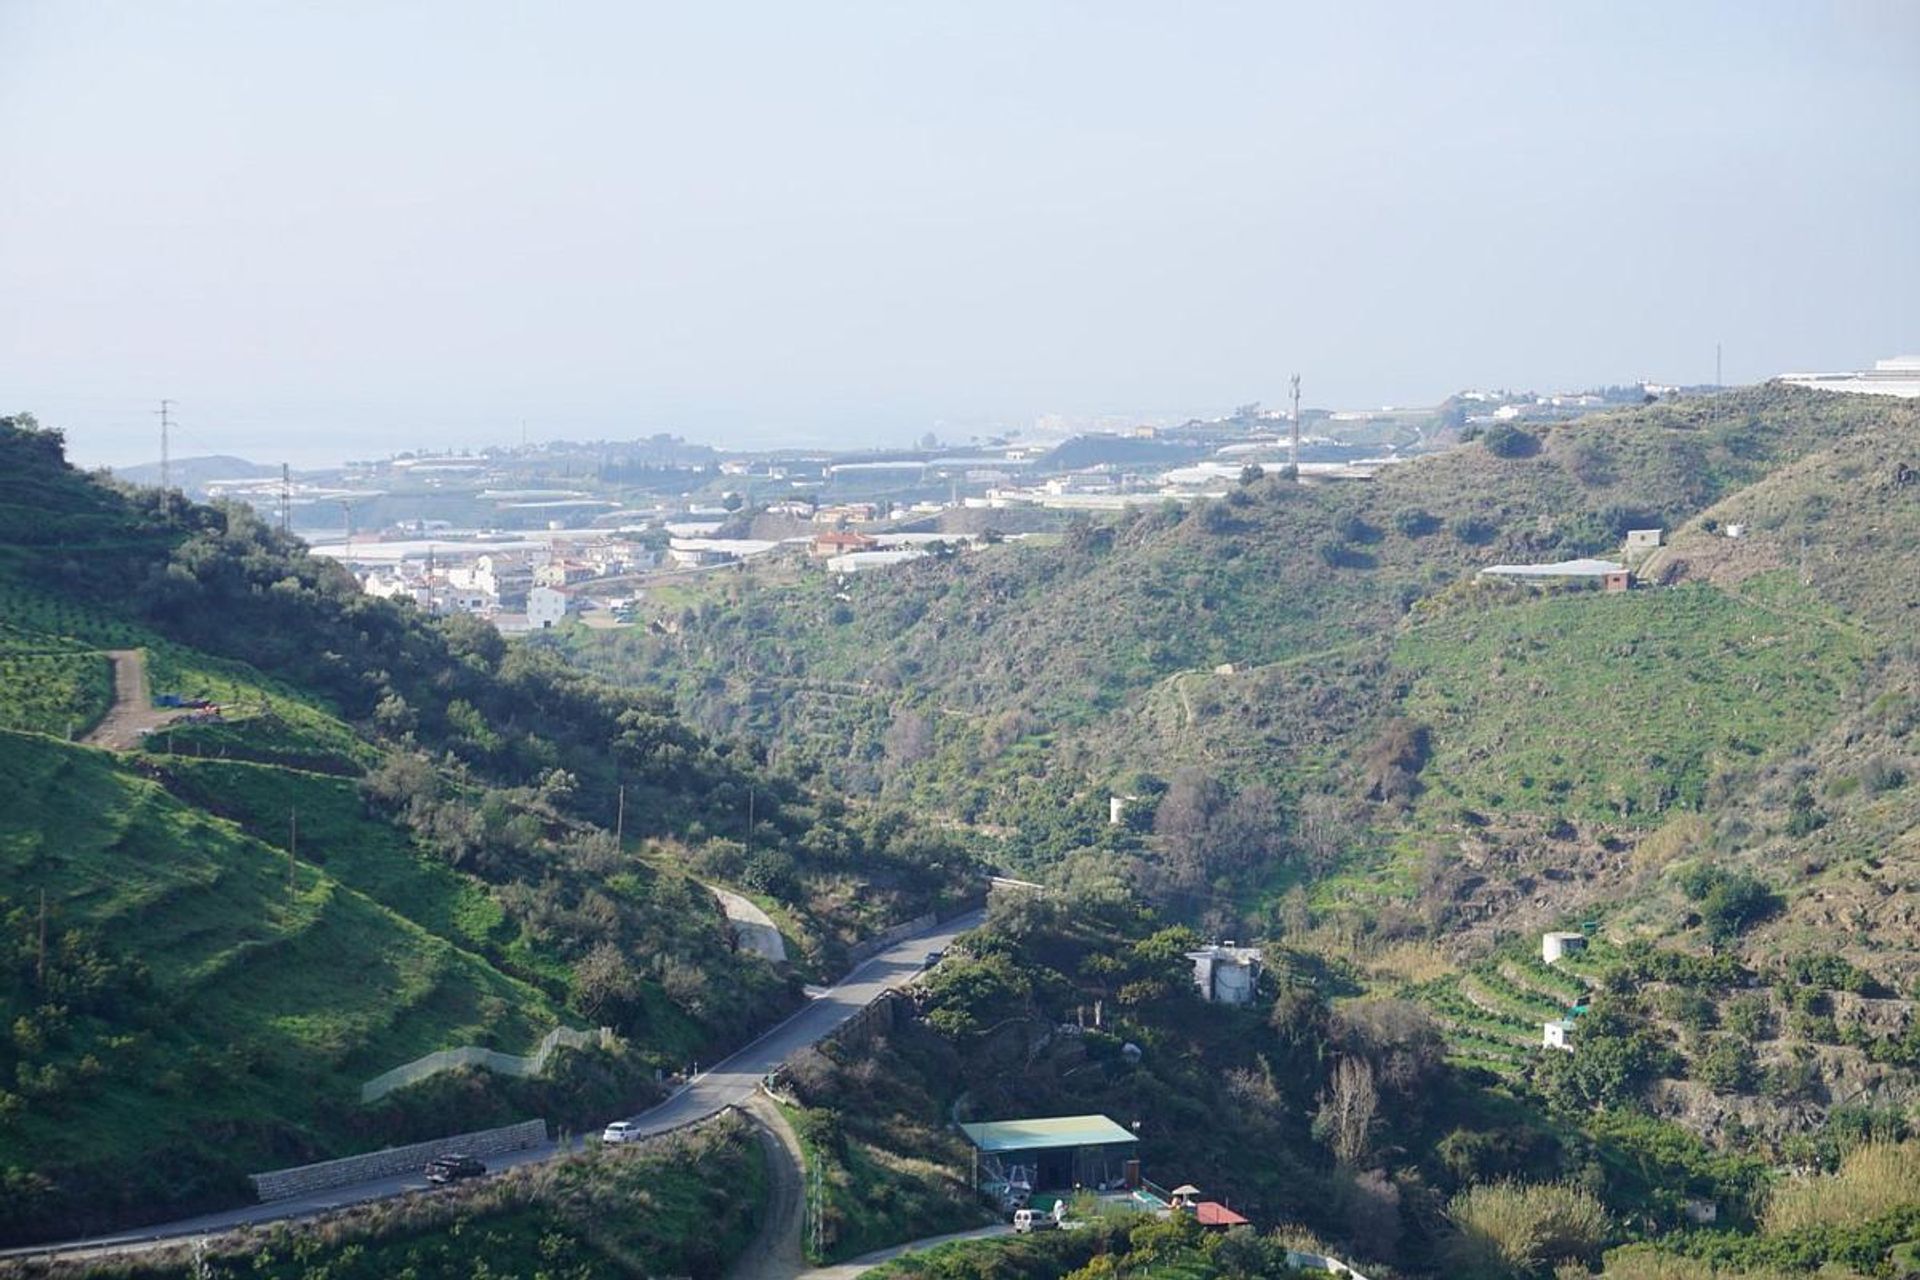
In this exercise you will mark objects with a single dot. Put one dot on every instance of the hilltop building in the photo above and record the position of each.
(1226, 974)
(1899, 376)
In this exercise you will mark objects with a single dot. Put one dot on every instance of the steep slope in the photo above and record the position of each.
(937, 679)
(385, 841)
(1416, 769)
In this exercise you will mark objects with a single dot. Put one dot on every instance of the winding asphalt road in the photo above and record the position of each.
(730, 1082)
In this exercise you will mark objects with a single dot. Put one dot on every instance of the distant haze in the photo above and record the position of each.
(360, 226)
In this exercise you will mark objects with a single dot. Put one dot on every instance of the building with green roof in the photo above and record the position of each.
(1058, 1153)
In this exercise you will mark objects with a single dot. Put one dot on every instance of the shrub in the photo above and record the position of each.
(1691, 1009)
(1341, 555)
(1880, 774)
(1726, 1066)
(1475, 531)
(1352, 528)
(1504, 440)
(1875, 1180)
(1515, 1229)
(1730, 901)
(1750, 1018)
(1416, 522)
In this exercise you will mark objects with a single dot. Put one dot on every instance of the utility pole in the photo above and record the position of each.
(749, 840)
(293, 844)
(1293, 450)
(286, 497)
(166, 461)
(1717, 383)
(819, 1207)
(620, 817)
(40, 968)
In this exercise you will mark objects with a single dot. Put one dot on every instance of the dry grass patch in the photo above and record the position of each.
(1873, 1181)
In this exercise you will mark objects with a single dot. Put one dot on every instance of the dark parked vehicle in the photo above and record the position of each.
(443, 1169)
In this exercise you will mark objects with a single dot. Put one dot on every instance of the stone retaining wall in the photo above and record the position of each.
(283, 1184)
(469, 1055)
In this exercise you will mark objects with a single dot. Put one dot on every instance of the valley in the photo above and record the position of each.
(1298, 716)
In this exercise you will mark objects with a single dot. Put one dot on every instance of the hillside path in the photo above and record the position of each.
(776, 1253)
(753, 928)
(132, 714)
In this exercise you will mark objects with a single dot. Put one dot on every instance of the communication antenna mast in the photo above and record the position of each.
(166, 462)
(1293, 449)
(1717, 383)
(286, 497)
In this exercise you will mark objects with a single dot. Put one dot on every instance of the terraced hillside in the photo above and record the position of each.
(384, 840)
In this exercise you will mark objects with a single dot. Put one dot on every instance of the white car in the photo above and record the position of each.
(622, 1131)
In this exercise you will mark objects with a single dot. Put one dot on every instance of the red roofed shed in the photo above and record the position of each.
(1215, 1216)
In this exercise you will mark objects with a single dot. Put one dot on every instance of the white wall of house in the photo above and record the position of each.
(546, 607)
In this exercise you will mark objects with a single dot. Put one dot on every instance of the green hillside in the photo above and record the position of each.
(391, 840)
(200, 992)
(1337, 735)
(1620, 708)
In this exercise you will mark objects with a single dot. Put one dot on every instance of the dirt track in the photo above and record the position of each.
(132, 714)
(775, 1253)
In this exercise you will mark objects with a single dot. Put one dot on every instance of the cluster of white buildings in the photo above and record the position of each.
(541, 584)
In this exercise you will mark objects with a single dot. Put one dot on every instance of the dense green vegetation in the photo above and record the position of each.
(684, 1205)
(394, 840)
(1329, 738)
(875, 1194)
(1615, 708)
(1396, 779)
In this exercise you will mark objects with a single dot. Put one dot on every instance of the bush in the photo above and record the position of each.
(1504, 440)
(1727, 1066)
(1513, 1229)
(1730, 901)
(1416, 522)
(1875, 1180)
(1352, 528)
(1341, 555)
(1475, 531)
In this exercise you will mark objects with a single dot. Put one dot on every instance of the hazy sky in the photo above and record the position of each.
(342, 227)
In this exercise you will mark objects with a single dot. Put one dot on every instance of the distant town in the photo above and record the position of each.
(533, 536)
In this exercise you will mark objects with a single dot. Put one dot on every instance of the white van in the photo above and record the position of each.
(1025, 1220)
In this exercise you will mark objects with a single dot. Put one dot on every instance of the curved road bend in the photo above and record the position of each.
(730, 1082)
